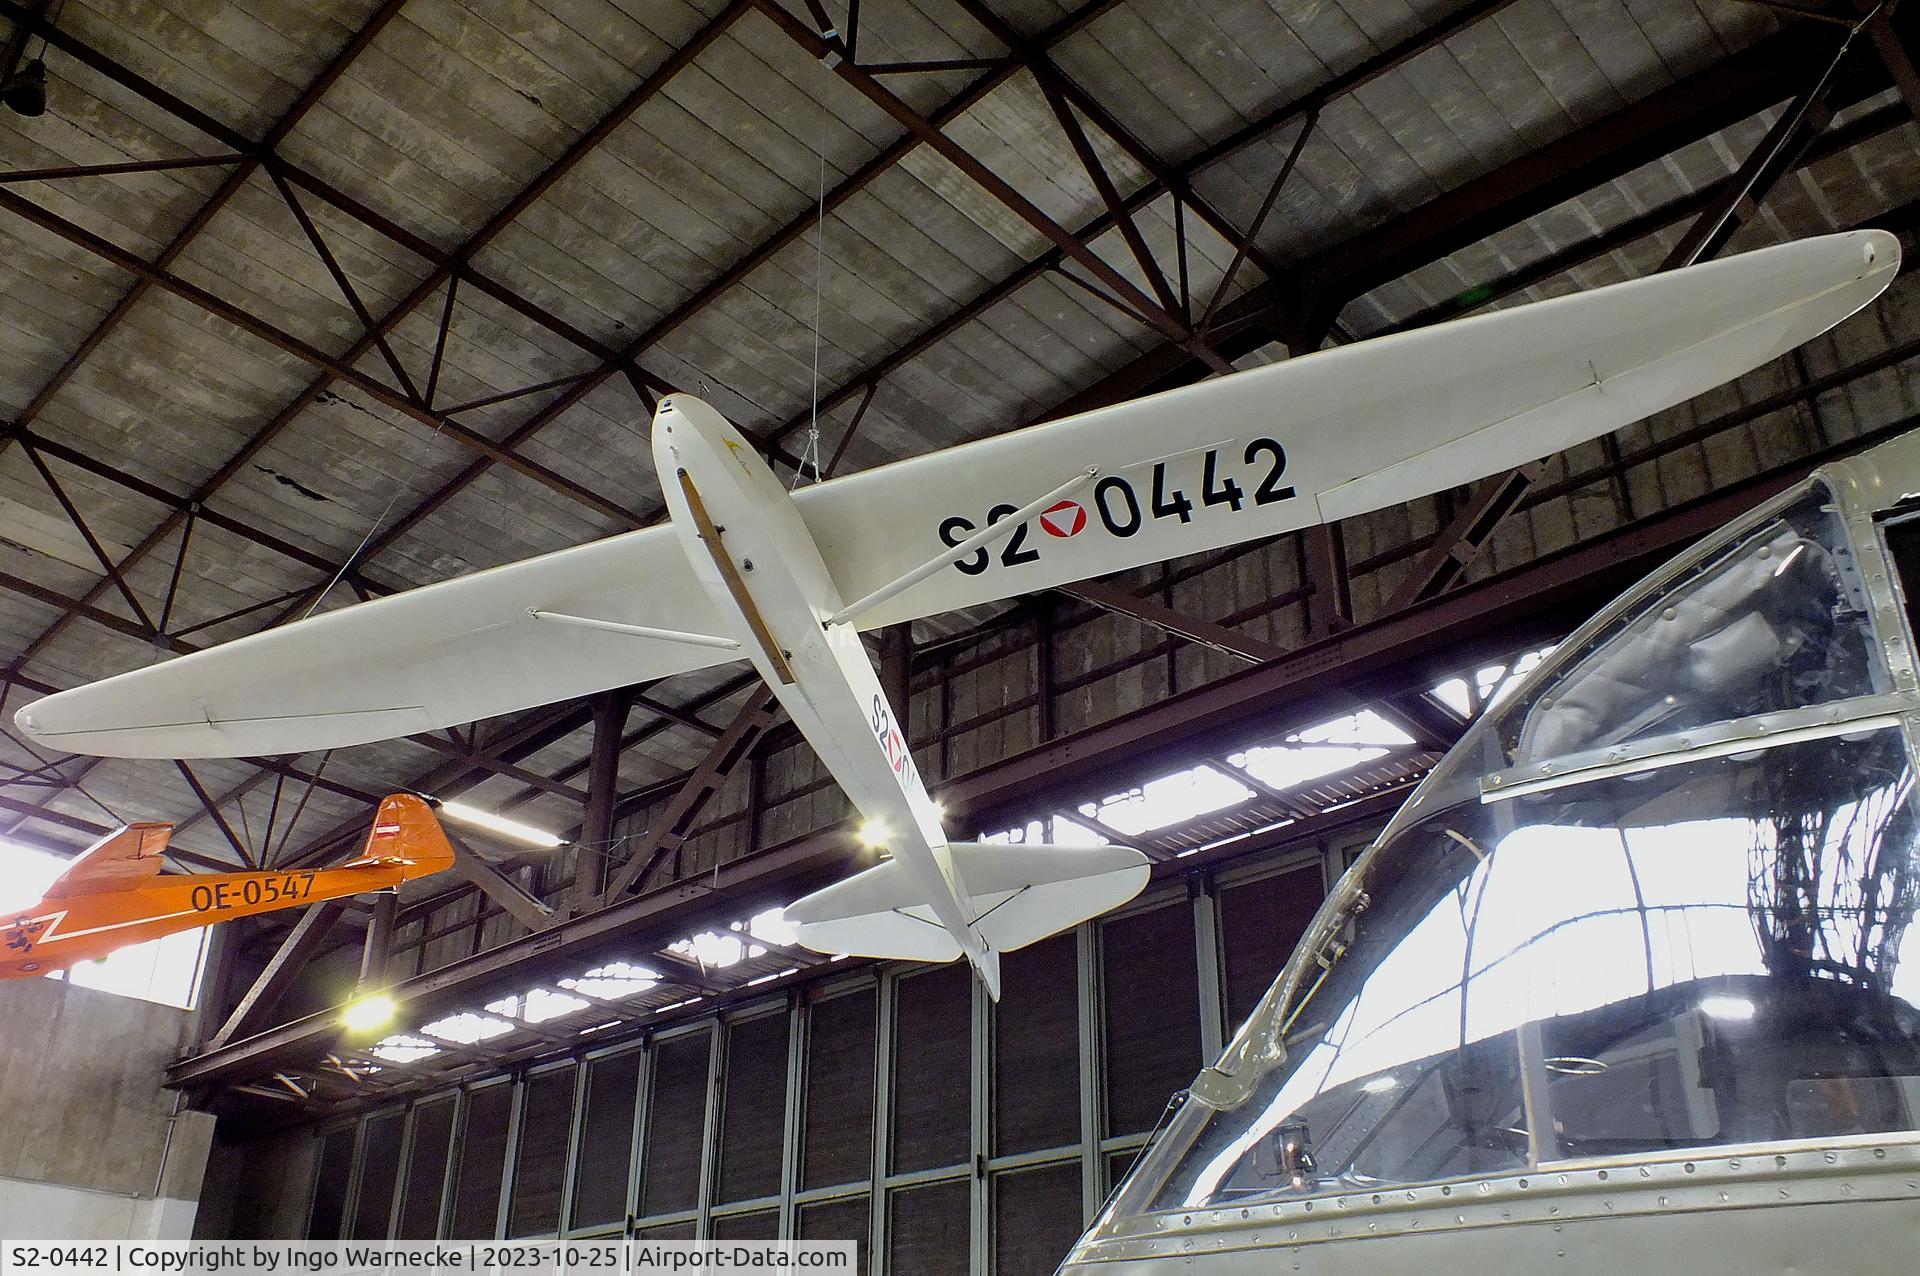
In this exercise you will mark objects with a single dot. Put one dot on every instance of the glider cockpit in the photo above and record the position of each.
(1660, 900)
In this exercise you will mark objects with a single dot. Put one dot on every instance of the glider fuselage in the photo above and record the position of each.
(114, 895)
(753, 554)
(57, 932)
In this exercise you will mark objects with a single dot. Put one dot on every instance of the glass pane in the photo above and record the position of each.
(540, 1169)
(330, 1185)
(839, 1220)
(928, 1229)
(1776, 619)
(483, 1155)
(1151, 999)
(1034, 1219)
(761, 1225)
(1036, 1048)
(676, 1125)
(379, 1175)
(754, 1114)
(932, 1069)
(426, 1170)
(666, 1231)
(1260, 923)
(1716, 951)
(837, 1144)
(606, 1140)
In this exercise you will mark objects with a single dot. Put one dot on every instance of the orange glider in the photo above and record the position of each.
(115, 895)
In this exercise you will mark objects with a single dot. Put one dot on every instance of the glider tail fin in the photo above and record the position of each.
(1015, 895)
(406, 832)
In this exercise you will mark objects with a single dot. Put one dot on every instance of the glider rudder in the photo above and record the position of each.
(406, 831)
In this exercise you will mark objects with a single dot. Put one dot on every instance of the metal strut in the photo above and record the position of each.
(638, 631)
(985, 536)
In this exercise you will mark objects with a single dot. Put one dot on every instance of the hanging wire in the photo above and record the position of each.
(810, 455)
(346, 565)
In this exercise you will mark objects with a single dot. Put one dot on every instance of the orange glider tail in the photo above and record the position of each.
(405, 832)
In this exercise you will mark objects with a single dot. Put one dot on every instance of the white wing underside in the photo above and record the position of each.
(1362, 427)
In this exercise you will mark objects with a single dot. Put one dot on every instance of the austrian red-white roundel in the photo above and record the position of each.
(1064, 519)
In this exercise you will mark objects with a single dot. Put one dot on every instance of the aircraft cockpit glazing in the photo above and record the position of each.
(1661, 897)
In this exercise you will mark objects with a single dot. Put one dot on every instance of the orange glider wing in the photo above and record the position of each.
(119, 861)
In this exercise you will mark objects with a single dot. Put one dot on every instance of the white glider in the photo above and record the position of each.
(747, 570)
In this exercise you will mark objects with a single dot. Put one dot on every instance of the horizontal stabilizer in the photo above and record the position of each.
(1016, 895)
(874, 913)
(1021, 894)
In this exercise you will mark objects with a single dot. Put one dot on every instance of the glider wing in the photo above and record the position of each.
(123, 859)
(448, 653)
(1328, 435)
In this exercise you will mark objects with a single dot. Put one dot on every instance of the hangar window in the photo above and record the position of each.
(537, 1005)
(932, 1066)
(1034, 1219)
(606, 1140)
(1151, 1012)
(330, 1182)
(403, 1048)
(379, 1175)
(1169, 800)
(676, 1124)
(1322, 750)
(613, 981)
(837, 1220)
(1036, 1048)
(836, 1142)
(753, 1107)
(540, 1165)
(426, 1170)
(483, 1157)
(926, 1227)
(1261, 920)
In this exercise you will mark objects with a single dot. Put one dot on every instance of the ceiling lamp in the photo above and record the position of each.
(25, 91)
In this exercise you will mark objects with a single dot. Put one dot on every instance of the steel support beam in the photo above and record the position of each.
(929, 133)
(610, 709)
(377, 950)
(212, 810)
(795, 229)
(1203, 632)
(1464, 538)
(674, 825)
(1403, 652)
(498, 887)
(299, 947)
(1892, 49)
